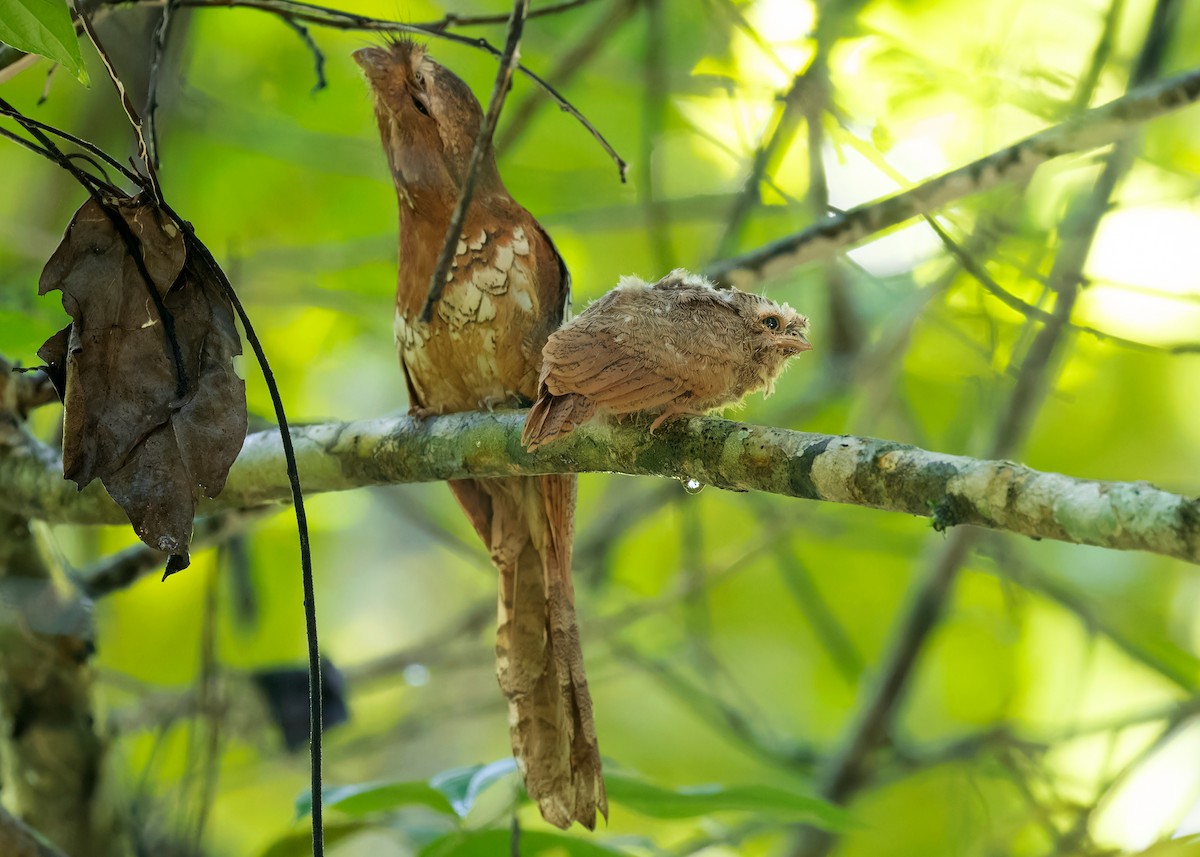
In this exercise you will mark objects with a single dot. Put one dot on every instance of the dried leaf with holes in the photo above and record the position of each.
(153, 406)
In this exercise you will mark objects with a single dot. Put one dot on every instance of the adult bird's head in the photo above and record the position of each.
(428, 121)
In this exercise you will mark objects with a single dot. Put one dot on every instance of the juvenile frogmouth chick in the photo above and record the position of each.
(674, 348)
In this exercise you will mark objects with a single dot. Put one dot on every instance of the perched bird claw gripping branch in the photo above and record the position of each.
(506, 291)
(674, 348)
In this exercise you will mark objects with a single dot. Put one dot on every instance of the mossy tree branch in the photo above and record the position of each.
(952, 490)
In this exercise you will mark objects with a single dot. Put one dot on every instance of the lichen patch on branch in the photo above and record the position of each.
(952, 490)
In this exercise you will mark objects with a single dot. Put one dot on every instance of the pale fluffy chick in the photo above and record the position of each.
(678, 347)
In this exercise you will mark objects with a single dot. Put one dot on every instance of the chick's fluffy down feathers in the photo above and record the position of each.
(676, 347)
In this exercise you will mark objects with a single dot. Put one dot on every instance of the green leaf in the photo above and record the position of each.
(364, 799)
(656, 801)
(451, 792)
(462, 786)
(299, 843)
(42, 27)
(489, 843)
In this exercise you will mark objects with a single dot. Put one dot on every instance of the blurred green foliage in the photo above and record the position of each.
(728, 637)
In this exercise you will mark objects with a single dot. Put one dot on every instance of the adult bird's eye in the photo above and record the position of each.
(420, 105)
(771, 323)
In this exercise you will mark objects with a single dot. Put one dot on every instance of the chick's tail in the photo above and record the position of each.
(555, 416)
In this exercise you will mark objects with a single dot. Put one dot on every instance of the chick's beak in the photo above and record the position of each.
(798, 343)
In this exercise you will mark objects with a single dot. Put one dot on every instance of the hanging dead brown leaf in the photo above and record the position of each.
(154, 408)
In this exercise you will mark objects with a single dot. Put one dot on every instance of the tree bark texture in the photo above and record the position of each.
(952, 490)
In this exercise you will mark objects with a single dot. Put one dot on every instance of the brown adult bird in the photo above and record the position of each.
(506, 291)
(673, 348)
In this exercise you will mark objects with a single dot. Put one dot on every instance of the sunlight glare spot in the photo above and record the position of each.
(897, 252)
(855, 178)
(737, 123)
(1152, 248)
(1154, 797)
(786, 26)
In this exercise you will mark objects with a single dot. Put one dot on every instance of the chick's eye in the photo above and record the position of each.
(420, 105)
(771, 323)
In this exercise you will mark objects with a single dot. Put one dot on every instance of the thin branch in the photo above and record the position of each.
(453, 20)
(483, 145)
(880, 474)
(47, 149)
(131, 113)
(783, 127)
(1179, 667)
(1093, 129)
(293, 12)
(980, 274)
(565, 69)
(26, 144)
(722, 717)
(292, 471)
(314, 49)
(92, 149)
(157, 52)
(124, 568)
(335, 19)
(18, 840)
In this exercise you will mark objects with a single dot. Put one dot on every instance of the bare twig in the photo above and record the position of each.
(483, 145)
(135, 120)
(124, 568)
(976, 270)
(453, 20)
(29, 123)
(568, 65)
(157, 51)
(1182, 669)
(720, 715)
(806, 99)
(293, 12)
(783, 127)
(335, 19)
(313, 48)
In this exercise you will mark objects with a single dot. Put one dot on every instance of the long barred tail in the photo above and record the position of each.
(554, 416)
(539, 661)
